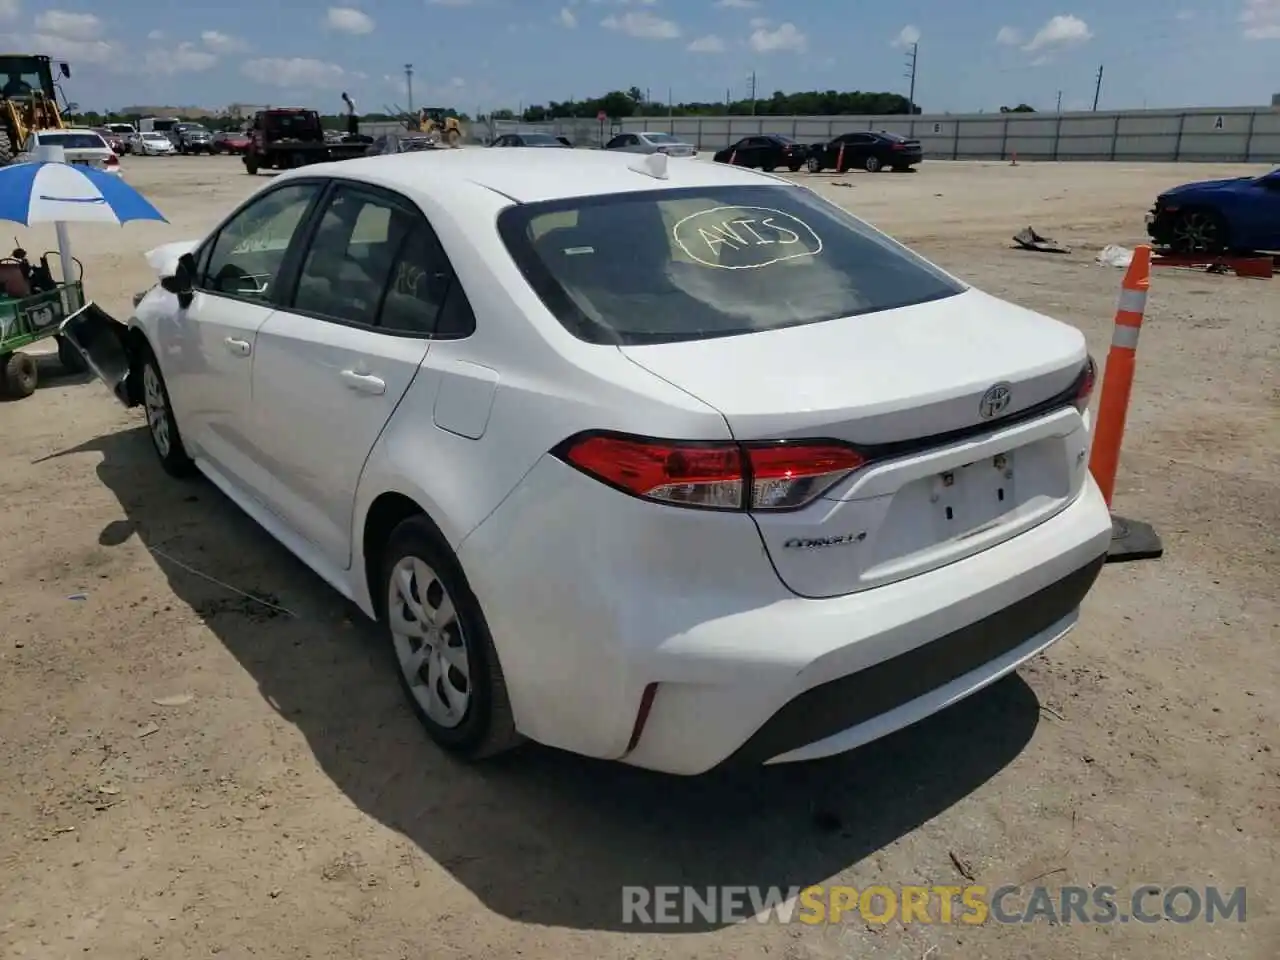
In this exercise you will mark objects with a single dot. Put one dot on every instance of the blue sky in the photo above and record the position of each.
(478, 54)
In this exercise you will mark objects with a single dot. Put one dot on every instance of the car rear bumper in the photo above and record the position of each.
(634, 602)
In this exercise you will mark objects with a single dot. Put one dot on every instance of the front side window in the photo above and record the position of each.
(250, 248)
(695, 263)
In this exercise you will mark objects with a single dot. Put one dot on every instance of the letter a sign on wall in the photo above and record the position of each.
(1217, 122)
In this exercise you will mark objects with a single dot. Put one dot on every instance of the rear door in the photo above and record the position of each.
(333, 365)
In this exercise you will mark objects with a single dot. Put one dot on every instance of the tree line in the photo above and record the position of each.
(618, 104)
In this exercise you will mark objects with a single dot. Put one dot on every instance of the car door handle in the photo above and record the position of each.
(365, 382)
(240, 348)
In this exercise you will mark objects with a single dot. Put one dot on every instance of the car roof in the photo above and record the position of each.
(69, 130)
(528, 176)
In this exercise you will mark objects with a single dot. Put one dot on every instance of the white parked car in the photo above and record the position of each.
(670, 463)
(80, 146)
(651, 142)
(153, 145)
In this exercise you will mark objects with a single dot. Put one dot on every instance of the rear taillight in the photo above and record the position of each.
(899, 146)
(1084, 385)
(713, 476)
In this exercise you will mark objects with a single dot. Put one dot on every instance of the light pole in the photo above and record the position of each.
(408, 82)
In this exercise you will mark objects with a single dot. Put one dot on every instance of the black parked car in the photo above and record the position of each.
(866, 151)
(530, 140)
(766, 152)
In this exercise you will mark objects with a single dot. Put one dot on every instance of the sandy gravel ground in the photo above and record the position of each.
(187, 773)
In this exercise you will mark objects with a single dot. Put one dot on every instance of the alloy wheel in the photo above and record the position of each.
(157, 408)
(1196, 232)
(429, 641)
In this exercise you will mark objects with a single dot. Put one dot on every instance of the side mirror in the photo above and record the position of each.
(182, 280)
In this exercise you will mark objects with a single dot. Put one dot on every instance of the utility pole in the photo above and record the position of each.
(1059, 101)
(1097, 90)
(408, 83)
(753, 93)
(911, 75)
(671, 103)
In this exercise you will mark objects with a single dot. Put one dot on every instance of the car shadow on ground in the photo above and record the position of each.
(537, 835)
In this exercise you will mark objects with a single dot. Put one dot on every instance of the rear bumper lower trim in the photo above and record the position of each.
(843, 703)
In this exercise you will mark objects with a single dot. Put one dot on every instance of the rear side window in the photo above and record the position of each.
(690, 264)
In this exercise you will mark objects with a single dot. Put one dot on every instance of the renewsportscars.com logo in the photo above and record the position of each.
(971, 905)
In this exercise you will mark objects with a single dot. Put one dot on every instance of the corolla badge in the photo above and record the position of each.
(995, 401)
(817, 543)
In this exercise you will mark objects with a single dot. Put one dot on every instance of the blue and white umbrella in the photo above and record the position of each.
(51, 192)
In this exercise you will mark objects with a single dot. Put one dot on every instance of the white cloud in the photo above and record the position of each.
(758, 23)
(82, 27)
(906, 36)
(1009, 36)
(1261, 19)
(567, 18)
(1060, 31)
(220, 42)
(643, 25)
(75, 52)
(786, 36)
(155, 35)
(10, 9)
(293, 72)
(708, 44)
(348, 20)
(738, 4)
(183, 58)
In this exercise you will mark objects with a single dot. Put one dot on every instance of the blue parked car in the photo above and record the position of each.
(1216, 216)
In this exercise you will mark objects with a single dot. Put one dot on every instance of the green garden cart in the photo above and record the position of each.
(33, 307)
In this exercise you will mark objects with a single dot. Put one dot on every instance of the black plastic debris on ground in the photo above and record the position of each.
(1028, 239)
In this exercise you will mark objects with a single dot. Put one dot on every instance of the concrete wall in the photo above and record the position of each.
(1220, 134)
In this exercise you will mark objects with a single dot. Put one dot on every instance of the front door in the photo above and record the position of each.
(207, 351)
(332, 366)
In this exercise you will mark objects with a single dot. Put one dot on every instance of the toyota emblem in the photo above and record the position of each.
(995, 401)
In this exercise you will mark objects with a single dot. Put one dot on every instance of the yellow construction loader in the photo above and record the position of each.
(439, 127)
(28, 100)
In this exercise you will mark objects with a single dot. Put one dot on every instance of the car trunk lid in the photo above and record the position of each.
(962, 407)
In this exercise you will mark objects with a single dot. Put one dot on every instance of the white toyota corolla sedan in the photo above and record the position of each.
(671, 463)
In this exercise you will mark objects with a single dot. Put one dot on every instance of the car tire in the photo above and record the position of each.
(1200, 230)
(769, 168)
(813, 165)
(460, 696)
(72, 360)
(19, 376)
(162, 425)
(794, 167)
(872, 164)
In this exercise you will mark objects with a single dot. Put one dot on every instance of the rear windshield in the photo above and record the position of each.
(661, 138)
(543, 138)
(73, 141)
(689, 264)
